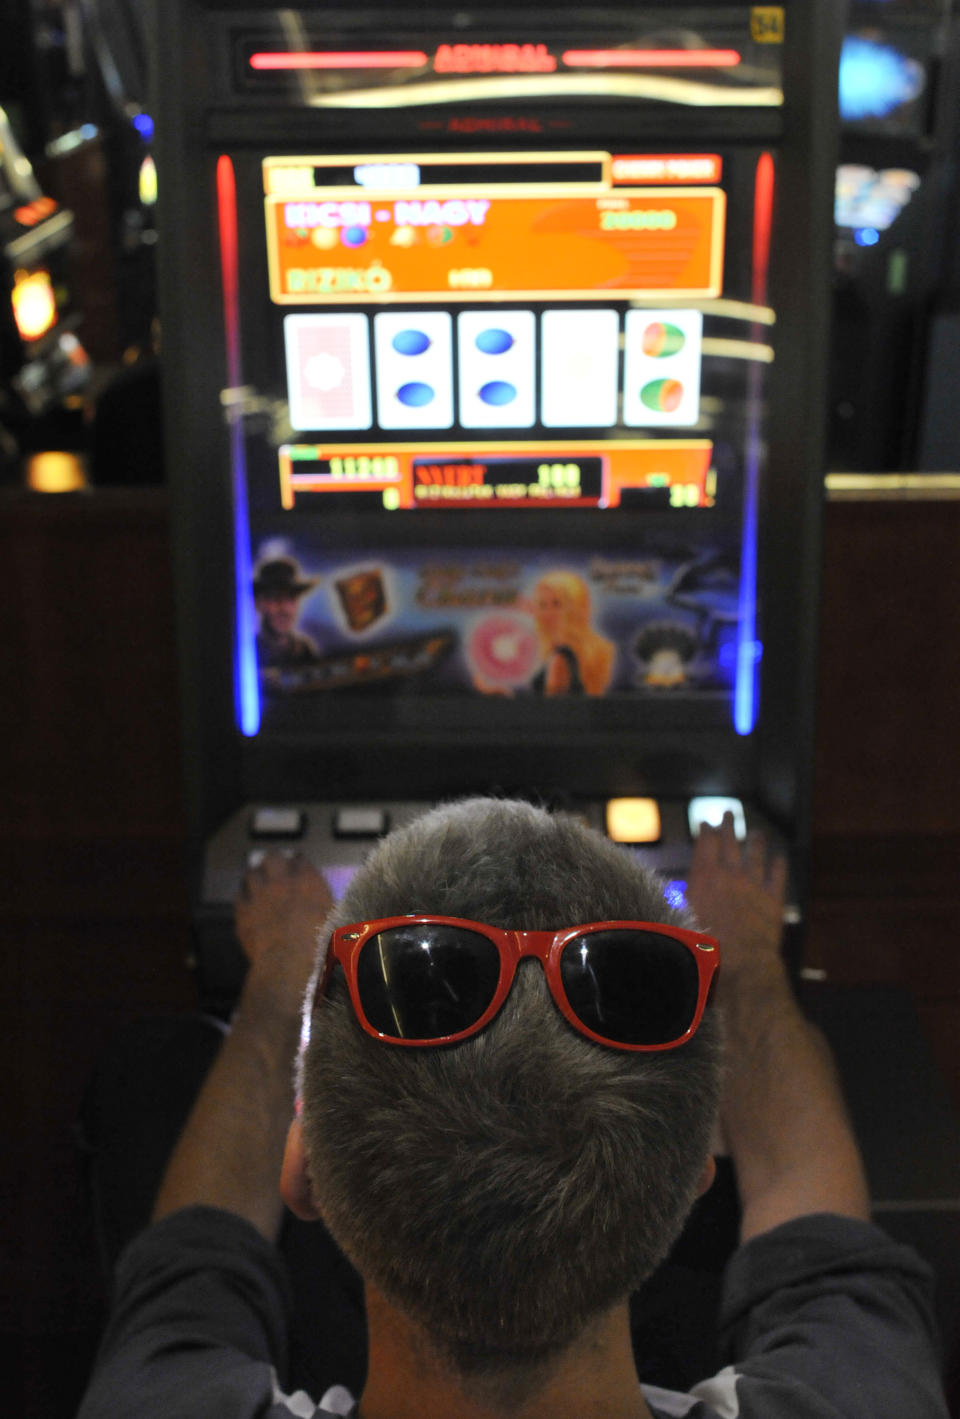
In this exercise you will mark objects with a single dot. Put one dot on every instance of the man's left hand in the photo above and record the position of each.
(283, 904)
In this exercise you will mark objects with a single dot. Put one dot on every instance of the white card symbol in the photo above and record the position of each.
(579, 363)
(328, 371)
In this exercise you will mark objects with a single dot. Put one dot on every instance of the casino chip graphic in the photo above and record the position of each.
(502, 650)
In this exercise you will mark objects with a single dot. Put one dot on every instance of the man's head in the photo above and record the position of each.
(505, 1191)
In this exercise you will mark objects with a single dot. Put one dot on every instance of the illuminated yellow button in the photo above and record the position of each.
(633, 820)
(55, 472)
(34, 304)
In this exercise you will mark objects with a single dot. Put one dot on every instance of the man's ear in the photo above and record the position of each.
(707, 1176)
(295, 1186)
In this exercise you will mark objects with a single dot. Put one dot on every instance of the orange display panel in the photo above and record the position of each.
(451, 244)
(502, 473)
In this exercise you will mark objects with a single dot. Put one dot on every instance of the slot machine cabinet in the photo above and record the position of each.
(42, 360)
(896, 193)
(474, 318)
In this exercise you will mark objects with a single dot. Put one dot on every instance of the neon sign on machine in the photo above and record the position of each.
(495, 59)
(407, 212)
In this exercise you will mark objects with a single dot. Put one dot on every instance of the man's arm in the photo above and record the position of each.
(783, 1114)
(230, 1151)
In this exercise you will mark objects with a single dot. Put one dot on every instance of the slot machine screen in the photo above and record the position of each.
(512, 474)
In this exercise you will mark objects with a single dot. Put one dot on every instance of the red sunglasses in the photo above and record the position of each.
(431, 980)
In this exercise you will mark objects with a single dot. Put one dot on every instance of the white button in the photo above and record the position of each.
(277, 823)
(359, 822)
(710, 810)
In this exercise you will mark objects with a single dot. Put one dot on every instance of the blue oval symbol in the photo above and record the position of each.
(498, 392)
(494, 341)
(410, 342)
(353, 236)
(415, 396)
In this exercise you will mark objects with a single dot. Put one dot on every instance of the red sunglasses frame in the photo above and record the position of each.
(347, 942)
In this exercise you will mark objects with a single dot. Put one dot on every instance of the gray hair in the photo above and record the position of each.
(505, 1191)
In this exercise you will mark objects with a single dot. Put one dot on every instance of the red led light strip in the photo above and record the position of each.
(762, 226)
(229, 264)
(572, 58)
(345, 59)
(650, 58)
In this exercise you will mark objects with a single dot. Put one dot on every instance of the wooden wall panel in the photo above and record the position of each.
(888, 721)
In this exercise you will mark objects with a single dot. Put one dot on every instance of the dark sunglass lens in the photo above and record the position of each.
(632, 987)
(423, 982)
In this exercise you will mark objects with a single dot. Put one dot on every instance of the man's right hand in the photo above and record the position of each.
(737, 892)
(782, 1113)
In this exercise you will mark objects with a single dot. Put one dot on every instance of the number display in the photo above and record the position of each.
(558, 475)
(649, 220)
(363, 466)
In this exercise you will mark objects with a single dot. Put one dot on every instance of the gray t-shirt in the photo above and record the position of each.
(822, 1318)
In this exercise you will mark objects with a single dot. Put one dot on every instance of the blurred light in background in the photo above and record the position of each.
(876, 79)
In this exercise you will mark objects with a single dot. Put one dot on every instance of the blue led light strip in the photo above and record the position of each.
(246, 684)
(246, 680)
(749, 650)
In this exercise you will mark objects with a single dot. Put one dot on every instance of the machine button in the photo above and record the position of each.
(360, 822)
(710, 810)
(633, 820)
(278, 823)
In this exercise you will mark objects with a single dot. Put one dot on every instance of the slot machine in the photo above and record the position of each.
(494, 344)
(896, 195)
(42, 360)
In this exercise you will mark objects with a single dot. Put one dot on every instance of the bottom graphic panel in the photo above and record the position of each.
(495, 621)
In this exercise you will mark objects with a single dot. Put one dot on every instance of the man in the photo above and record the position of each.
(503, 1193)
(278, 585)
